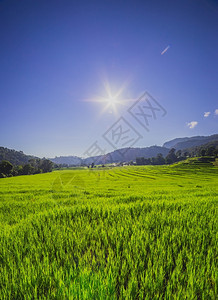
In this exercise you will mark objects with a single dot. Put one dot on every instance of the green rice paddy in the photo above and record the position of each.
(146, 232)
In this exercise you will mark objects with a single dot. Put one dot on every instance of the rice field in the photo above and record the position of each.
(135, 232)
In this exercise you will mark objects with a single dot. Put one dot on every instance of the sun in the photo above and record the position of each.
(111, 98)
(112, 101)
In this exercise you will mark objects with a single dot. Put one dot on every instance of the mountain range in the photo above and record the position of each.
(119, 155)
(130, 154)
(188, 142)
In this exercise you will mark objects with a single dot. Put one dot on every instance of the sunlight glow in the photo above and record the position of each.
(111, 100)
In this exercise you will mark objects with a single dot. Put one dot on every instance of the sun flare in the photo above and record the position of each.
(111, 98)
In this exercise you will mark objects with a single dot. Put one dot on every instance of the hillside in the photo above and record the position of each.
(121, 155)
(197, 150)
(130, 154)
(127, 154)
(188, 142)
(14, 157)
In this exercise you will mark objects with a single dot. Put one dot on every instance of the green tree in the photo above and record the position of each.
(171, 157)
(46, 165)
(210, 151)
(154, 161)
(28, 169)
(203, 152)
(186, 154)
(140, 161)
(6, 167)
(160, 160)
(179, 153)
(19, 170)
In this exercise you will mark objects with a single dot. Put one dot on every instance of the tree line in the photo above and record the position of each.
(14, 157)
(34, 166)
(175, 156)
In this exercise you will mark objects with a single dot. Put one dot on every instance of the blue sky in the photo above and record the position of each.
(59, 58)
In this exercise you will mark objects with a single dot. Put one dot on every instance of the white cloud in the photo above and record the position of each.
(192, 124)
(206, 114)
(216, 112)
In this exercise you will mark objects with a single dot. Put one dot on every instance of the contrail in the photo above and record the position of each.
(165, 50)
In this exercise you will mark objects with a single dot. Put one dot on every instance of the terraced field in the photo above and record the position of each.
(123, 233)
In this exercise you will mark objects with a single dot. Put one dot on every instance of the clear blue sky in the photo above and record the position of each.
(54, 55)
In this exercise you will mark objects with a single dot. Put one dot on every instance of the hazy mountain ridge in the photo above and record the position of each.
(127, 154)
(130, 154)
(116, 156)
(197, 150)
(69, 160)
(188, 142)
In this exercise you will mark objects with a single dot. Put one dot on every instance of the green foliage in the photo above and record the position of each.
(13, 156)
(159, 159)
(143, 161)
(20, 164)
(123, 233)
(46, 165)
(35, 166)
(209, 149)
(171, 157)
(6, 167)
(28, 169)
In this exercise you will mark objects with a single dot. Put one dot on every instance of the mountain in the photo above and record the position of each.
(130, 154)
(121, 155)
(188, 142)
(197, 150)
(171, 144)
(126, 155)
(68, 160)
(14, 157)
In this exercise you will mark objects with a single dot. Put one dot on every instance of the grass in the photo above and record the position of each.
(146, 232)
